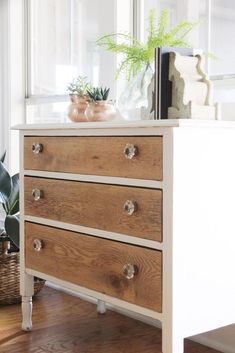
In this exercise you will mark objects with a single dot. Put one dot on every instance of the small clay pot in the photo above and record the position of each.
(76, 110)
(101, 111)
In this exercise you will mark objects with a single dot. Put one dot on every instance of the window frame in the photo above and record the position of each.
(33, 99)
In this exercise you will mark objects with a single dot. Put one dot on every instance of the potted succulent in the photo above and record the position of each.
(99, 108)
(77, 90)
(9, 239)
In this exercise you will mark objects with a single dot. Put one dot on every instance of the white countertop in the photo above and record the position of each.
(128, 124)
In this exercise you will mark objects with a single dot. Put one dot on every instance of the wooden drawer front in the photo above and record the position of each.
(97, 264)
(96, 156)
(98, 206)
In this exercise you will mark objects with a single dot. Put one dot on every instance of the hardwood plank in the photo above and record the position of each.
(98, 206)
(66, 324)
(97, 264)
(97, 156)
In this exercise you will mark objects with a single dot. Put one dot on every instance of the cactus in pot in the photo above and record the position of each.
(99, 108)
(98, 94)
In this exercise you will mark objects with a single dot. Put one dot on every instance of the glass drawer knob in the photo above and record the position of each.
(130, 271)
(38, 244)
(37, 148)
(130, 207)
(130, 151)
(37, 194)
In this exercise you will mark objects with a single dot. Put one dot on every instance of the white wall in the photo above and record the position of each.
(16, 71)
(12, 92)
(4, 88)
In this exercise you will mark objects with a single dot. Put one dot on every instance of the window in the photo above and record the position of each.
(62, 45)
(62, 38)
(223, 30)
(222, 69)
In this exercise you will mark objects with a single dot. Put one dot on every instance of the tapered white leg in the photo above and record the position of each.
(27, 291)
(101, 307)
(27, 307)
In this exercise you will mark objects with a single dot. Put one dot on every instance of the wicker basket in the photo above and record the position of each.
(10, 278)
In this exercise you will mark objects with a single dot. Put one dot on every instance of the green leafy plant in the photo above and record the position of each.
(138, 54)
(98, 94)
(9, 200)
(79, 86)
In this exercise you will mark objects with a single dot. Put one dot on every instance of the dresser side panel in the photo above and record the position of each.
(203, 229)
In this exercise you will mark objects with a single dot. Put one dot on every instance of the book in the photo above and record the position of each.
(162, 84)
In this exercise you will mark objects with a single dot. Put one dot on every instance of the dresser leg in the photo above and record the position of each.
(101, 307)
(27, 291)
(27, 307)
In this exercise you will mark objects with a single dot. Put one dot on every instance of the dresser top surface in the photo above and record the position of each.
(166, 123)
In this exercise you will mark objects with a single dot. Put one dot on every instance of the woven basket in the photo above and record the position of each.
(10, 279)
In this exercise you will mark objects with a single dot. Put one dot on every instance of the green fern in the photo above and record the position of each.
(138, 54)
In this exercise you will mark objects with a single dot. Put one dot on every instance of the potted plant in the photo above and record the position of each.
(9, 239)
(77, 90)
(99, 108)
(138, 58)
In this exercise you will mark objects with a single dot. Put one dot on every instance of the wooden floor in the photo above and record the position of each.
(67, 324)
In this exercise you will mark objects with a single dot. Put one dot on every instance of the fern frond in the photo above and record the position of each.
(137, 54)
(163, 22)
(183, 29)
(152, 25)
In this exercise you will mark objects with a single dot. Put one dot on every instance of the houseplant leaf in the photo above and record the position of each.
(12, 205)
(12, 227)
(2, 159)
(5, 184)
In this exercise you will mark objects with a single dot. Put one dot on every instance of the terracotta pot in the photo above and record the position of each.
(101, 111)
(76, 110)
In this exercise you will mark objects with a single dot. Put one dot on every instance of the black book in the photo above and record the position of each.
(162, 85)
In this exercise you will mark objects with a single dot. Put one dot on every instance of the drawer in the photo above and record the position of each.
(105, 156)
(127, 272)
(120, 209)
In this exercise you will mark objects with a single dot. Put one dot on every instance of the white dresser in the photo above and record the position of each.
(140, 215)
